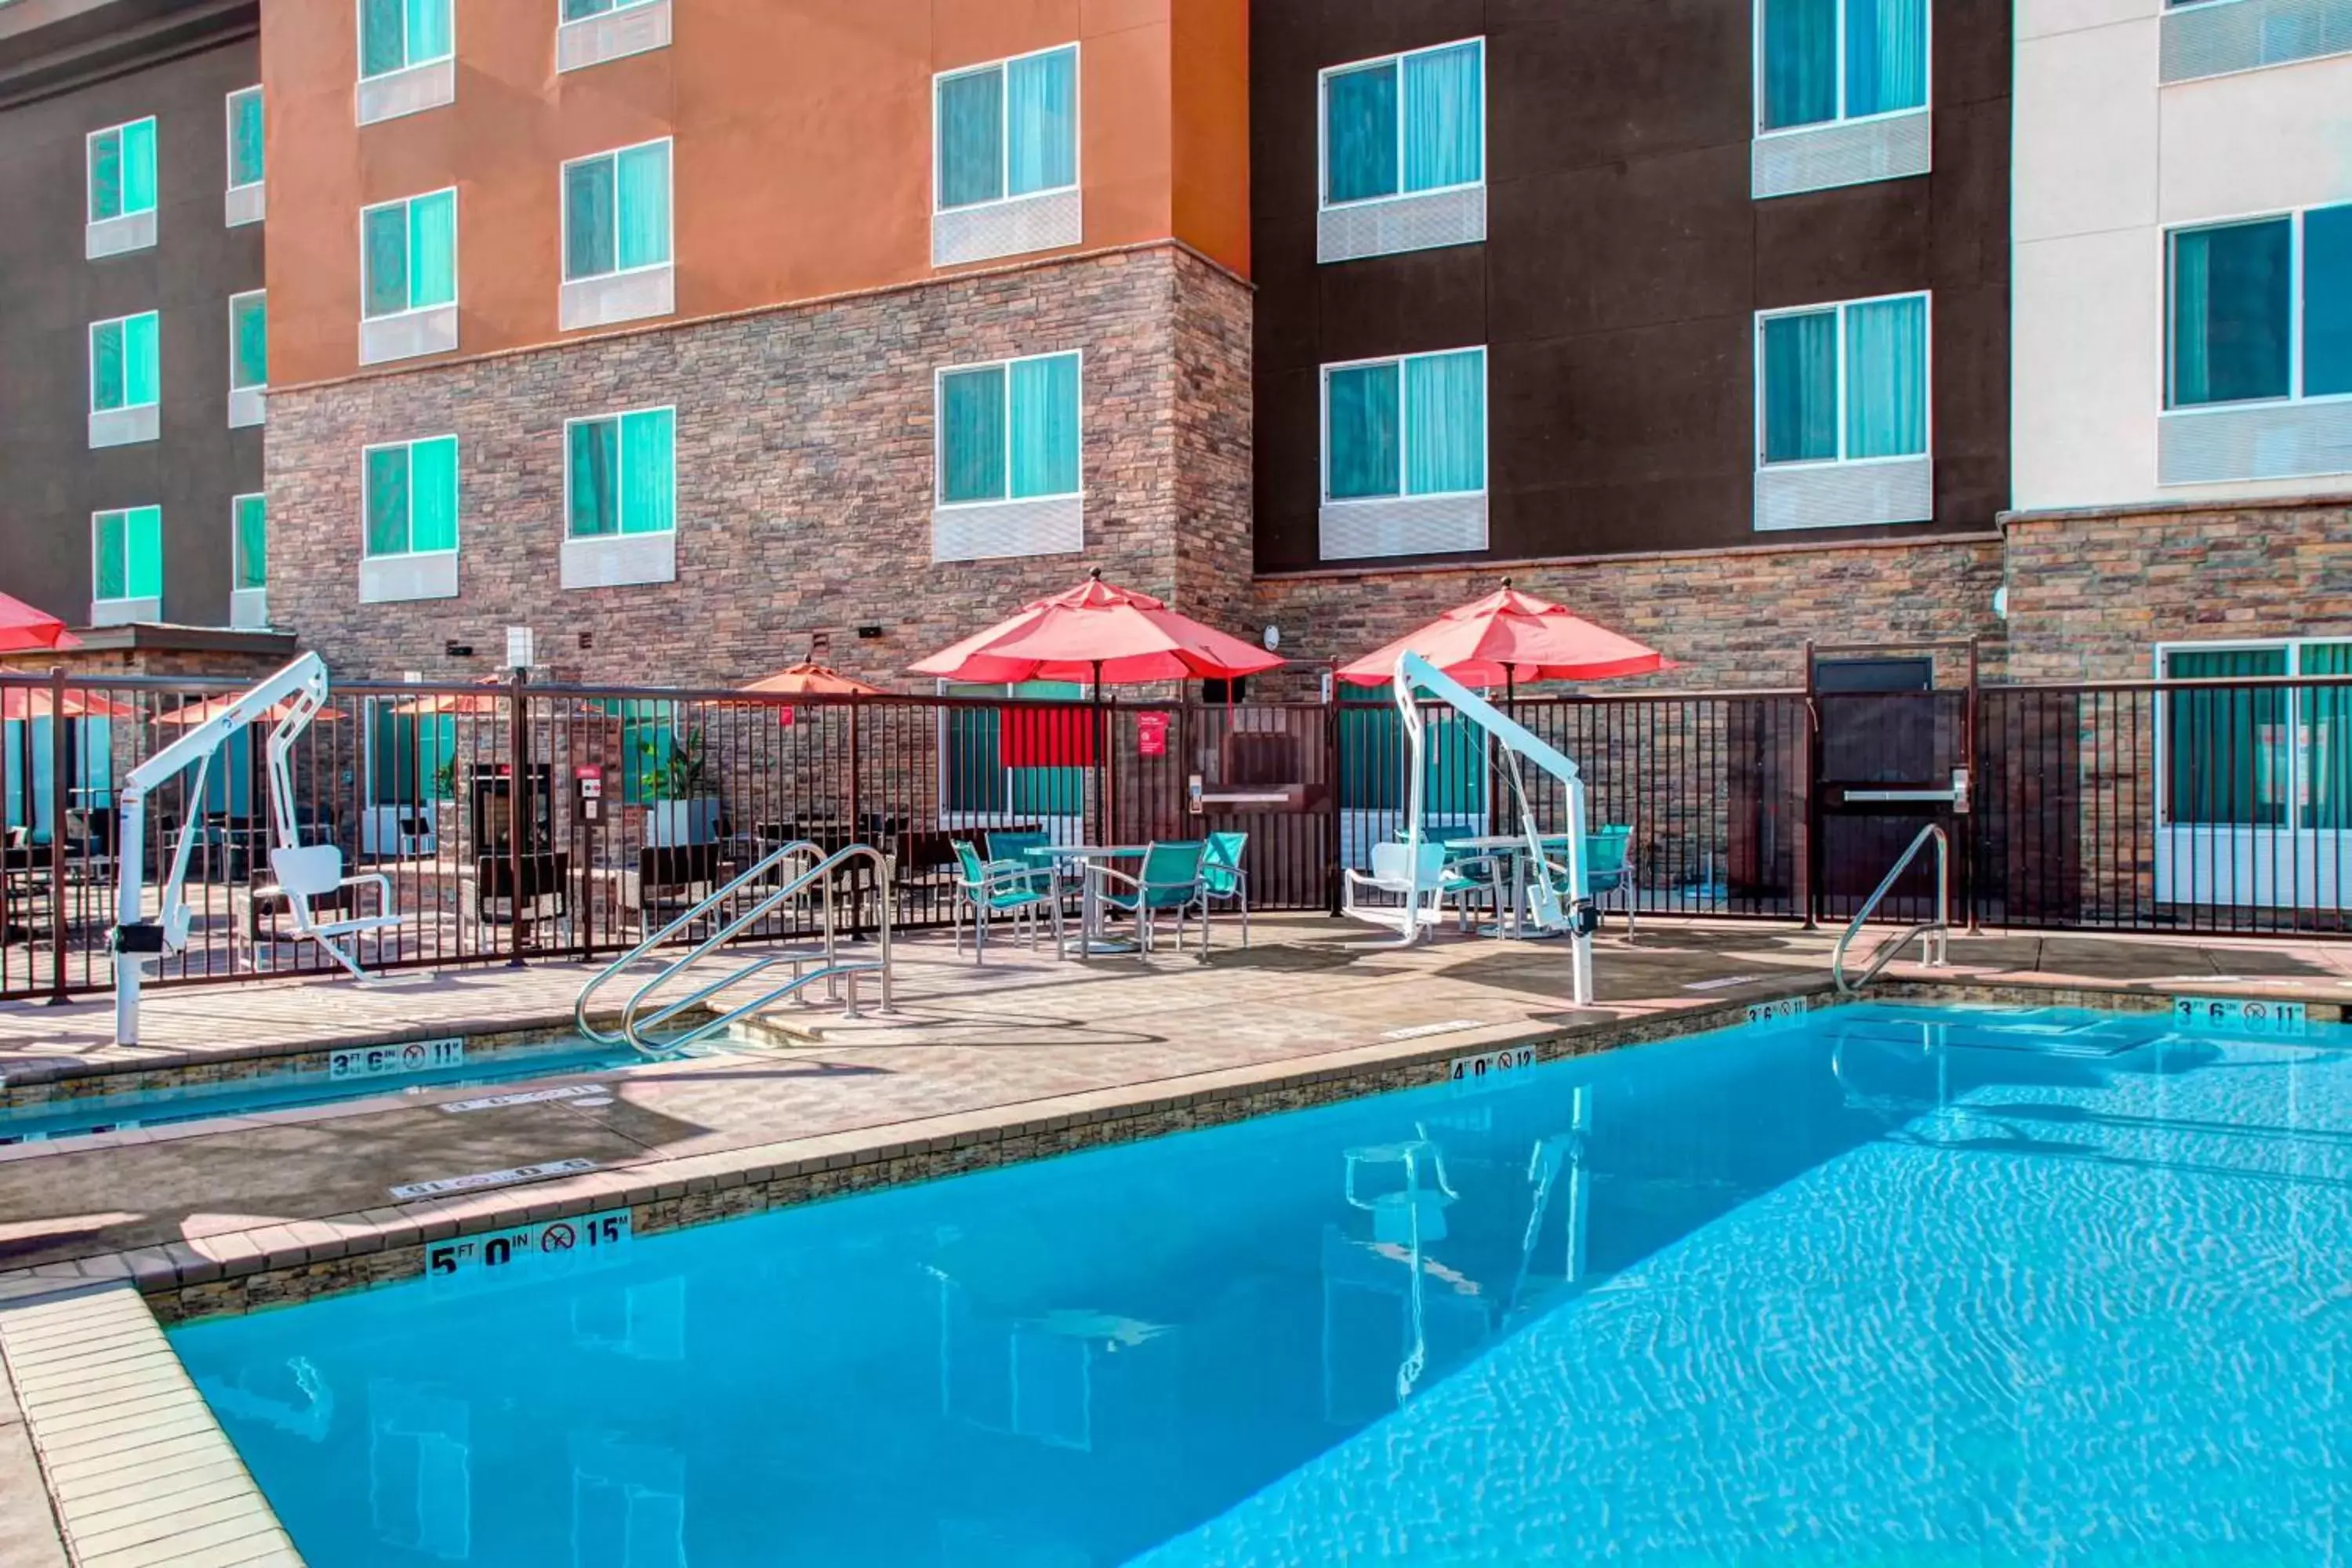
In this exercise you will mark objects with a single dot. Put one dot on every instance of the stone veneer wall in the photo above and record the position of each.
(804, 477)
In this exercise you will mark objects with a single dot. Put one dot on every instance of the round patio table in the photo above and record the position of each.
(1091, 940)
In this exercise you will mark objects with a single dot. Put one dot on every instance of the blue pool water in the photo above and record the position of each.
(1884, 1284)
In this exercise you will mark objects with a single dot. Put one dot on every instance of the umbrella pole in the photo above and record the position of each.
(1102, 762)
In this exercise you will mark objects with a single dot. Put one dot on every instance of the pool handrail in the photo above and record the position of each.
(1933, 936)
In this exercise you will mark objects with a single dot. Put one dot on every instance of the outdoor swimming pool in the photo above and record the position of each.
(1883, 1284)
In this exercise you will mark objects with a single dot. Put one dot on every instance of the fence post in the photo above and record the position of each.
(856, 833)
(517, 786)
(1334, 841)
(1968, 749)
(58, 997)
(1809, 864)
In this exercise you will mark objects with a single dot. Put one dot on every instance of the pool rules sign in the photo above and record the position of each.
(554, 1248)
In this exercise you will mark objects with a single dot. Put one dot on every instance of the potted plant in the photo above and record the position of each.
(681, 801)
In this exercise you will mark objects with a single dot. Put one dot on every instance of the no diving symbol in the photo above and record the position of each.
(412, 1055)
(557, 1238)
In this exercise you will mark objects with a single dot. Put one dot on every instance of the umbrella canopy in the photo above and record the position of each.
(21, 702)
(212, 708)
(489, 697)
(1095, 632)
(22, 627)
(812, 680)
(1507, 638)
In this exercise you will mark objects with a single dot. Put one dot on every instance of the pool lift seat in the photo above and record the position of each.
(304, 872)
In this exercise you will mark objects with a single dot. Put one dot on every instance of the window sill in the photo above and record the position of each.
(2232, 35)
(248, 406)
(431, 330)
(1429, 220)
(398, 579)
(617, 296)
(620, 559)
(248, 609)
(2237, 441)
(244, 205)
(1046, 221)
(1401, 525)
(410, 91)
(996, 531)
(616, 35)
(1845, 494)
(124, 612)
(124, 426)
(113, 236)
(1843, 153)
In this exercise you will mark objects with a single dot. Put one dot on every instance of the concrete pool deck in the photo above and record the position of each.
(1024, 1058)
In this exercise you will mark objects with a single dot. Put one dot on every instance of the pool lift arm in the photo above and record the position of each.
(301, 686)
(1565, 905)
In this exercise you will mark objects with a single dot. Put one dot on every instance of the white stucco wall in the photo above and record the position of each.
(2105, 159)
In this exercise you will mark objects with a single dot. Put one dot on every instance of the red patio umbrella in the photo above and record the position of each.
(210, 708)
(24, 629)
(1101, 634)
(1509, 637)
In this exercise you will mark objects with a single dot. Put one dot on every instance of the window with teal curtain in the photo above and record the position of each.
(1373, 756)
(2327, 730)
(972, 138)
(384, 257)
(245, 141)
(19, 740)
(1360, 133)
(1444, 117)
(106, 176)
(594, 460)
(616, 211)
(111, 569)
(1445, 423)
(2327, 301)
(125, 368)
(2228, 755)
(432, 250)
(973, 436)
(407, 754)
(383, 40)
(1886, 56)
(428, 33)
(249, 532)
(1801, 374)
(591, 237)
(2232, 305)
(643, 205)
(248, 334)
(1887, 378)
(1801, 63)
(387, 500)
(93, 744)
(1362, 418)
(648, 471)
(130, 564)
(139, 167)
(972, 765)
(1041, 123)
(106, 377)
(433, 494)
(1044, 425)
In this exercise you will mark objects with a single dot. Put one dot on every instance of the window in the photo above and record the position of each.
(2258, 757)
(397, 34)
(616, 211)
(620, 474)
(1008, 129)
(248, 340)
(1023, 763)
(411, 498)
(409, 254)
(124, 370)
(126, 555)
(245, 138)
(1410, 426)
(1844, 383)
(248, 544)
(2237, 292)
(1372, 751)
(123, 171)
(1009, 431)
(1824, 61)
(1406, 124)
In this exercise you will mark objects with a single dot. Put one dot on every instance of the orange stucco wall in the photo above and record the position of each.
(802, 165)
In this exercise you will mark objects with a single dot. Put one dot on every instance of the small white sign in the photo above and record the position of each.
(2239, 1016)
(1780, 1012)
(389, 1062)
(519, 649)
(492, 1179)
(530, 1097)
(1418, 1031)
(531, 1251)
(1486, 1070)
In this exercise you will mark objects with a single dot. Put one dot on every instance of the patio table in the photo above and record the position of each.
(1511, 848)
(1091, 940)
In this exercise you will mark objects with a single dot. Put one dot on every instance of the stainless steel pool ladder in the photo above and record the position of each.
(809, 965)
(1933, 936)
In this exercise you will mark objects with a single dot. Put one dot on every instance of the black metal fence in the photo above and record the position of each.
(512, 819)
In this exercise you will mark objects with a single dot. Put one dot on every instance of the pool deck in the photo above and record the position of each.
(1026, 1057)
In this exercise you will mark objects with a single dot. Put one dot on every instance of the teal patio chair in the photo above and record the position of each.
(1608, 868)
(1168, 882)
(1011, 846)
(995, 887)
(1225, 879)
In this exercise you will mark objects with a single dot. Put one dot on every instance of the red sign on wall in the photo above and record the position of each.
(1152, 734)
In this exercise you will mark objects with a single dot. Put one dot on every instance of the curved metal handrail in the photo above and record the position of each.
(1933, 936)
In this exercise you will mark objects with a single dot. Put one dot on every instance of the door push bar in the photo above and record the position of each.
(1956, 796)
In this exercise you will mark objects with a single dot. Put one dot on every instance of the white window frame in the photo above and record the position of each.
(1405, 459)
(408, 233)
(2297, 288)
(1927, 372)
(123, 513)
(620, 469)
(262, 295)
(969, 821)
(89, 346)
(1004, 131)
(1928, 67)
(1323, 127)
(668, 144)
(2299, 781)
(235, 504)
(458, 522)
(359, 42)
(229, 134)
(89, 171)
(939, 501)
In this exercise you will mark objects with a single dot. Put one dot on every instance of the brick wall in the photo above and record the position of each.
(2091, 594)
(804, 462)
